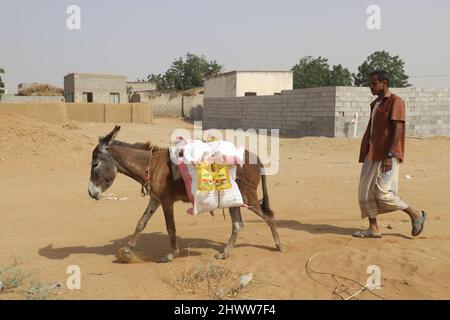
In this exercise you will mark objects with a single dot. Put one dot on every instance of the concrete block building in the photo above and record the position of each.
(89, 87)
(101, 88)
(248, 83)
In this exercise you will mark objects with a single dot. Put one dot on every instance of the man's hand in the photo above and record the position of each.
(386, 165)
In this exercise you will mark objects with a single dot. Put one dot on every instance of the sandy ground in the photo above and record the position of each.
(48, 221)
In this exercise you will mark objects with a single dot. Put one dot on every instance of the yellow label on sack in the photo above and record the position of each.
(221, 177)
(205, 178)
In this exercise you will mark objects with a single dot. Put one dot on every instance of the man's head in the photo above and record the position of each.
(378, 82)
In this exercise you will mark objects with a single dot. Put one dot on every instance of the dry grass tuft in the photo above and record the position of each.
(15, 283)
(12, 277)
(210, 279)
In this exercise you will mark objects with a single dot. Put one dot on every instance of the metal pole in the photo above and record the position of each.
(355, 124)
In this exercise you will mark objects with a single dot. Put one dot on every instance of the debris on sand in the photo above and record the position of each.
(111, 196)
(245, 279)
(341, 288)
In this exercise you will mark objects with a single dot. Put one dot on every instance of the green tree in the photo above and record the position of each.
(186, 73)
(382, 60)
(313, 72)
(340, 76)
(2, 85)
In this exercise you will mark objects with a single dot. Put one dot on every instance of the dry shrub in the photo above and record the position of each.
(16, 283)
(209, 279)
(41, 89)
(192, 92)
(11, 276)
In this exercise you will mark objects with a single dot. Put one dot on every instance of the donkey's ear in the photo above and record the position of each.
(109, 138)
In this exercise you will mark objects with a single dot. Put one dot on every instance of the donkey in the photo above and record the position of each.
(140, 161)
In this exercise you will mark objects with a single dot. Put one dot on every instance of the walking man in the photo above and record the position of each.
(382, 149)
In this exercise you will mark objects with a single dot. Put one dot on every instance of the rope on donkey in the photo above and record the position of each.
(145, 187)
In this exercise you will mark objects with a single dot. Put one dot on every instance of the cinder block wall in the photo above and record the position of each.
(351, 100)
(327, 111)
(166, 105)
(192, 107)
(427, 110)
(173, 104)
(300, 112)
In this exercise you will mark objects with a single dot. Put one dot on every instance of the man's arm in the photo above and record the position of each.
(398, 118)
(398, 129)
(386, 166)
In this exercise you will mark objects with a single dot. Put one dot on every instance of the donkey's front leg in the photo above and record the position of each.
(126, 253)
(153, 205)
(171, 230)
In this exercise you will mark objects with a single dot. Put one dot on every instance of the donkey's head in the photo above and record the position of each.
(103, 168)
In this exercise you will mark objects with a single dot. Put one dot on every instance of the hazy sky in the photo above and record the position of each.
(138, 37)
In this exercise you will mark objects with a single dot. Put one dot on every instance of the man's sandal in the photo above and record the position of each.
(418, 224)
(366, 234)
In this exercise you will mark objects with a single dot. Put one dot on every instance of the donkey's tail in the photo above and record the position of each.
(265, 200)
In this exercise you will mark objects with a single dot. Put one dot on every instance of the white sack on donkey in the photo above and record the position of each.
(209, 173)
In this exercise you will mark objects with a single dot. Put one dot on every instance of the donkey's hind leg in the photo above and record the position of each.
(255, 206)
(237, 224)
(171, 230)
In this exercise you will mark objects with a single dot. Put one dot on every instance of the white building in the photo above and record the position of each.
(248, 83)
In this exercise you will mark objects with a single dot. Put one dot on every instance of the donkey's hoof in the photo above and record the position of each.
(281, 247)
(126, 255)
(222, 256)
(167, 258)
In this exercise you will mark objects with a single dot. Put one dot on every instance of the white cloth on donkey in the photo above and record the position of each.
(209, 173)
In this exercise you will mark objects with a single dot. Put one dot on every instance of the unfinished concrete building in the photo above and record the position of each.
(101, 88)
(90, 87)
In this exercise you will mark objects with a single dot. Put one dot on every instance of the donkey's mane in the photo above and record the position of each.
(139, 145)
